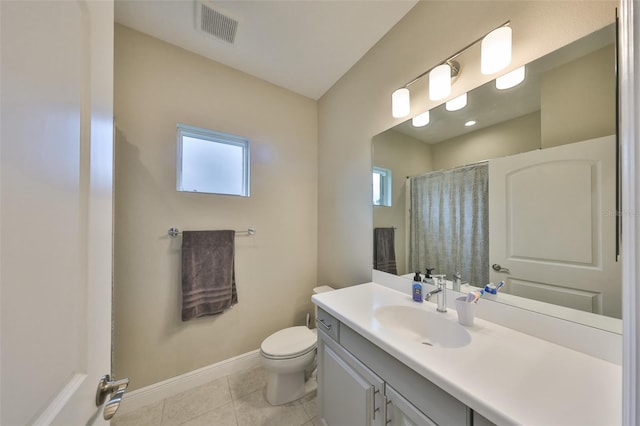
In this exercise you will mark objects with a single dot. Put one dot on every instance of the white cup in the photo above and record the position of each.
(466, 311)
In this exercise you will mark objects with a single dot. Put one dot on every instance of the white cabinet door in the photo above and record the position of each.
(56, 204)
(555, 233)
(349, 393)
(401, 412)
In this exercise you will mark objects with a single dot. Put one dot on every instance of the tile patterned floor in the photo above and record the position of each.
(234, 400)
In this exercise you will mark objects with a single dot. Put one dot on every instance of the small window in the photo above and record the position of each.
(212, 162)
(381, 187)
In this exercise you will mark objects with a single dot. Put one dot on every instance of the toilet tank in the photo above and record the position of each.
(322, 289)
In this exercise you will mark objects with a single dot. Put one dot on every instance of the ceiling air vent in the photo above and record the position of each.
(216, 23)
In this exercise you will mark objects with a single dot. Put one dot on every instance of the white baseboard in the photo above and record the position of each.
(175, 385)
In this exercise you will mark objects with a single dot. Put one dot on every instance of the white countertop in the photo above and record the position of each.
(507, 376)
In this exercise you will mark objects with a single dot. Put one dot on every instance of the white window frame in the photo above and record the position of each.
(216, 137)
(385, 186)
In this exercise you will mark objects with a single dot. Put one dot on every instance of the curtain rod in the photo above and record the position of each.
(477, 163)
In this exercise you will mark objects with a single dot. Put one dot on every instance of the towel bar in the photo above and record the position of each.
(174, 232)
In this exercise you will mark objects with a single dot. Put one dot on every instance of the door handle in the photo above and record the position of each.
(112, 406)
(498, 268)
(108, 387)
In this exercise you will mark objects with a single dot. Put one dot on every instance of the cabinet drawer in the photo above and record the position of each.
(328, 324)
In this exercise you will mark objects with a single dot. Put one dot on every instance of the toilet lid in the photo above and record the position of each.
(289, 342)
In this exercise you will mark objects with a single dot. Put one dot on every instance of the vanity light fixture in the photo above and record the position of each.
(496, 51)
(496, 55)
(456, 104)
(440, 82)
(400, 103)
(420, 120)
(470, 123)
(510, 79)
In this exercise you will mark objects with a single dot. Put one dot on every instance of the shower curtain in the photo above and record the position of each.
(449, 223)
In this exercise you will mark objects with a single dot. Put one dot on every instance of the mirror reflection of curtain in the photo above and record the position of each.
(449, 225)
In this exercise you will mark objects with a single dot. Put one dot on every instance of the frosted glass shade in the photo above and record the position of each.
(510, 79)
(400, 103)
(496, 50)
(440, 82)
(456, 103)
(421, 120)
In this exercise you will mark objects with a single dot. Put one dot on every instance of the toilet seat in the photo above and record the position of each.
(289, 343)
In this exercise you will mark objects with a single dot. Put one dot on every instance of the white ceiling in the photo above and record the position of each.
(302, 45)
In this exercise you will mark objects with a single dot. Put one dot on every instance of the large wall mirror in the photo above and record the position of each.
(527, 195)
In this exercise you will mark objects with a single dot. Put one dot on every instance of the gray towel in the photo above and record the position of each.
(384, 252)
(208, 273)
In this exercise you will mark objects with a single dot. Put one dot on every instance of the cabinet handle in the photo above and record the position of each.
(385, 410)
(325, 325)
(372, 395)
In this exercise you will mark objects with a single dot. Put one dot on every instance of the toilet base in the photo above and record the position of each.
(285, 388)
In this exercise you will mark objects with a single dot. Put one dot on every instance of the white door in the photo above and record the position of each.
(554, 236)
(56, 208)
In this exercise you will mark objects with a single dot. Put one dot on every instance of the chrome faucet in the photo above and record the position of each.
(457, 281)
(441, 291)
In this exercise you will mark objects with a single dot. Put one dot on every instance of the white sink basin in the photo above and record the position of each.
(425, 327)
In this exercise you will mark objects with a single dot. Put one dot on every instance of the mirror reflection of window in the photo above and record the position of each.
(381, 187)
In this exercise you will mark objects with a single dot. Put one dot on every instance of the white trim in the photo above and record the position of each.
(213, 136)
(630, 176)
(60, 401)
(385, 186)
(175, 385)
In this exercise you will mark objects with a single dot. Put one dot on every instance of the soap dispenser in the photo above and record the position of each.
(427, 277)
(416, 288)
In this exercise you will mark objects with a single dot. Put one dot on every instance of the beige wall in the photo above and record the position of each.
(156, 86)
(404, 156)
(573, 108)
(358, 106)
(511, 137)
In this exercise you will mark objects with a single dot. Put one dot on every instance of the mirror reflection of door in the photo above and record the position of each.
(555, 232)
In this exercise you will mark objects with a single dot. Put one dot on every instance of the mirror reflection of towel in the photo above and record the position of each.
(208, 273)
(384, 252)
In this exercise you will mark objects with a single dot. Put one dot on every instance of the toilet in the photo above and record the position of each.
(289, 356)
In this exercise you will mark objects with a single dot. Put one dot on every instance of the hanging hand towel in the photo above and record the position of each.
(208, 273)
(384, 252)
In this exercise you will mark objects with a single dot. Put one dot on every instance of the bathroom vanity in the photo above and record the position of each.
(383, 359)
